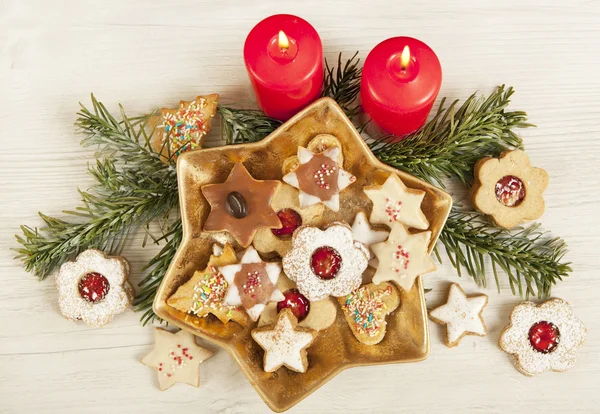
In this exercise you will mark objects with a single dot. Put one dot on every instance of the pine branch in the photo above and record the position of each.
(133, 187)
(245, 125)
(342, 84)
(159, 265)
(528, 256)
(451, 143)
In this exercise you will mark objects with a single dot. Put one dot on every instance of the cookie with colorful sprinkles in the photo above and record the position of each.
(366, 308)
(204, 293)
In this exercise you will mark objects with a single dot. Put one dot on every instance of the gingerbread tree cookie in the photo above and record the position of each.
(252, 283)
(292, 216)
(461, 314)
(204, 293)
(393, 202)
(284, 344)
(176, 357)
(403, 257)
(241, 205)
(184, 128)
(543, 337)
(365, 310)
(319, 178)
(509, 189)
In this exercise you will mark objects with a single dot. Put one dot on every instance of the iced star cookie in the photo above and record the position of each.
(543, 337)
(204, 293)
(403, 257)
(319, 178)
(325, 262)
(367, 235)
(292, 216)
(183, 129)
(509, 189)
(461, 314)
(241, 205)
(393, 202)
(176, 358)
(366, 308)
(94, 288)
(284, 343)
(252, 283)
(318, 315)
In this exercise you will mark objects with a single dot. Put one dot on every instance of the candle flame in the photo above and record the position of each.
(405, 57)
(284, 43)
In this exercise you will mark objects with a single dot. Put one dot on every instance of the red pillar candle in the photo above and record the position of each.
(284, 59)
(400, 81)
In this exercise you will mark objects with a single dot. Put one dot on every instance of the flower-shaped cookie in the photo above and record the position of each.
(317, 315)
(241, 205)
(509, 189)
(94, 288)
(319, 177)
(285, 203)
(543, 337)
(325, 262)
(252, 283)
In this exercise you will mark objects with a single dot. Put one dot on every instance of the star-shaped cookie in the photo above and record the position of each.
(284, 344)
(319, 178)
(403, 257)
(394, 202)
(364, 233)
(461, 314)
(176, 358)
(252, 283)
(204, 293)
(241, 205)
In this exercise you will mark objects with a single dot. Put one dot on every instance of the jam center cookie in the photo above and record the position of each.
(510, 190)
(544, 336)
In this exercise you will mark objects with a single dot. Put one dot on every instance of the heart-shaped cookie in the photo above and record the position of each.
(365, 310)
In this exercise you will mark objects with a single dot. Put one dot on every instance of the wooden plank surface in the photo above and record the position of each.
(151, 53)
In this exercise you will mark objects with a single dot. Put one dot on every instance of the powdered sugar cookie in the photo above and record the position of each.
(204, 293)
(252, 283)
(284, 344)
(176, 357)
(94, 288)
(325, 262)
(393, 202)
(366, 308)
(461, 314)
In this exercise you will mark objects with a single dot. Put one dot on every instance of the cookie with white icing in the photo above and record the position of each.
(284, 343)
(367, 235)
(461, 314)
(252, 283)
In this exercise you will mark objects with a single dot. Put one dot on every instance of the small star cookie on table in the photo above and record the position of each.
(461, 314)
(403, 257)
(204, 293)
(319, 178)
(252, 283)
(393, 202)
(367, 235)
(241, 205)
(176, 357)
(285, 343)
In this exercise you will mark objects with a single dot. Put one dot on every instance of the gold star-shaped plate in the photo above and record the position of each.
(334, 349)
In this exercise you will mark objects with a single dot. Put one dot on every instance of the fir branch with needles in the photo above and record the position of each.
(451, 143)
(342, 84)
(245, 125)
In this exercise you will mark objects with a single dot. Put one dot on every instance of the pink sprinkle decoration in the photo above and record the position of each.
(321, 175)
(392, 209)
(402, 256)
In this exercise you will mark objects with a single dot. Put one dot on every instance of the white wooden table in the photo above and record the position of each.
(151, 53)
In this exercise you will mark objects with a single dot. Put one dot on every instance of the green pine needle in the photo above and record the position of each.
(245, 125)
(342, 84)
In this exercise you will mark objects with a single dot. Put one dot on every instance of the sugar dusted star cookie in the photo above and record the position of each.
(252, 283)
(176, 358)
(393, 202)
(319, 178)
(285, 343)
(241, 205)
(367, 235)
(403, 257)
(461, 314)
(204, 293)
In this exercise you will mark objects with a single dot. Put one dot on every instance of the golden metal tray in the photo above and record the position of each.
(335, 349)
